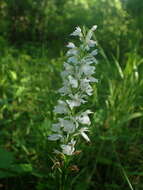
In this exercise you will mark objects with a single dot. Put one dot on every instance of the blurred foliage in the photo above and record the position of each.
(32, 35)
(49, 22)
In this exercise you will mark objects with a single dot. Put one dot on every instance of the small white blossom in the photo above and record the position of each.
(72, 59)
(83, 134)
(74, 120)
(77, 32)
(72, 52)
(84, 118)
(88, 90)
(94, 28)
(89, 35)
(75, 101)
(71, 45)
(90, 60)
(69, 148)
(54, 137)
(92, 79)
(87, 69)
(68, 126)
(91, 43)
(61, 107)
(64, 90)
(86, 87)
(73, 82)
(56, 128)
(94, 52)
(68, 68)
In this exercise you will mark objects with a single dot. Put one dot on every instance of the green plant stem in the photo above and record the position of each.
(64, 175)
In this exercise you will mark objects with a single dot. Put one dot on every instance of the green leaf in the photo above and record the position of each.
(131, 116)
(119, 68)
(6, 158)
(13, 75)
(22, 168)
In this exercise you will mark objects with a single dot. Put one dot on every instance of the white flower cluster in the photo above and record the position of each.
(77, 78)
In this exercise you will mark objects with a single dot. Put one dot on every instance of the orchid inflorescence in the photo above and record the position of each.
(77, 78)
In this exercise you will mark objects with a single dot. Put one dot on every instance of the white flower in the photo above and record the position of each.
(84, 118)
(54, 137)
(73, 103)
(68, 149)
(61, 107)
(64, 90)
(68, 126)
(92, 79)
(86, 87)
(88, 90)
(77, 32)
(72, 143)
(83, 134)
(91, 43)
(56, 128)
(64, 74)
(94, 52)
(76, 101)
(71, 45)
(72, 52)
(74, 119)
(89, 35)
(73, 82)
(72, 59)
(87, 69)
(68, 67)
(89, 60)
(94, 27)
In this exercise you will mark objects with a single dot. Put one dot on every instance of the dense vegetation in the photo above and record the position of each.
(33, 36)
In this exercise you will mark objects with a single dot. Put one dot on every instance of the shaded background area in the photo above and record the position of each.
(33, 38)
(49, 22)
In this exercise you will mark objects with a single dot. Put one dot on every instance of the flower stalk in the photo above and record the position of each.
(74, 120)
(77, 78)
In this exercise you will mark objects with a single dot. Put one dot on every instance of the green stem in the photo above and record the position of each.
(64, 176)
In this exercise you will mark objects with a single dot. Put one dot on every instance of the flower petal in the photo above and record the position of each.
(71, 45)
(77, 32)
(54, 137)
